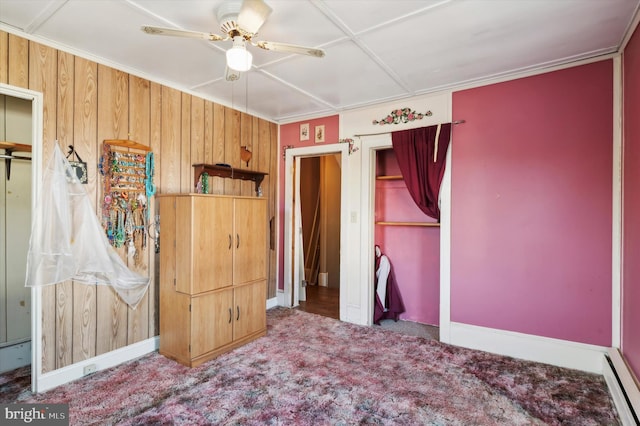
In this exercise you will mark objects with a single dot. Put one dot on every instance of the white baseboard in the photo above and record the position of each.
(623, 387)
(272, 303)
(75, 371)
(72, 372)
(562, 353)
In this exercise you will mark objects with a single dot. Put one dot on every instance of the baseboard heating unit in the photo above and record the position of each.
(623, 387)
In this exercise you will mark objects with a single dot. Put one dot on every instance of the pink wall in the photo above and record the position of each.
(631, 212)
(414, 252)
(290, 136)
(531, 205)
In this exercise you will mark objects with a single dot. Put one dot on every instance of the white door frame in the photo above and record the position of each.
(291, 246)
(36, 99)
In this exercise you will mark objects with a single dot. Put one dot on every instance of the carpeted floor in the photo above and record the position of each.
(312, 370)
(411, 328)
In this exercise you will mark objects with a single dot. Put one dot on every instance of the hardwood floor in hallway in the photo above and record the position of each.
(323, 301)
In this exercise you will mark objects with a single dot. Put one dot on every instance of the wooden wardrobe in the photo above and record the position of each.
(213, 274)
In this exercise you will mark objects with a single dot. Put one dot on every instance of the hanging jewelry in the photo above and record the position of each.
(111, 225)
(128, 229)
(128, 186)
(120, 234)
(138, 233)
(142, 217)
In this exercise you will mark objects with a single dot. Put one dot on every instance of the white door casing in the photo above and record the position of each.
(36, 99)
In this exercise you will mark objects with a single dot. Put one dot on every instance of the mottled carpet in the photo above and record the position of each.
(315, 370)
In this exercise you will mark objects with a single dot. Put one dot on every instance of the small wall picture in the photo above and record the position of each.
(304, 132)
(319, 134)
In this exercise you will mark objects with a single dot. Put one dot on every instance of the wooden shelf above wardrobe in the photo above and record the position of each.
(227, 172)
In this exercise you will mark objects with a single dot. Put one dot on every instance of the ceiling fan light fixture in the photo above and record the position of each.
(238, 57)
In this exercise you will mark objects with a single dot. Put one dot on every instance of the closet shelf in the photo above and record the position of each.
(9, 149)
(399, 177)
(13, 146)
(424, 224)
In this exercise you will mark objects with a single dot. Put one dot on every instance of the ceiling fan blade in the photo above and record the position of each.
(252, 15)
(290, 48)
(181, 33)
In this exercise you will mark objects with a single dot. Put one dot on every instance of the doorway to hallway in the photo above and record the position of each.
(318, 207)
(314, 229)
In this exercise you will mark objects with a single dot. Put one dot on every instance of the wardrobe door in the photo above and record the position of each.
(249, 262)
(212, 324)
(250, 313)
(213, 253)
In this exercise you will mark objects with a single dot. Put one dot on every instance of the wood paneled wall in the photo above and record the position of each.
(85, 103)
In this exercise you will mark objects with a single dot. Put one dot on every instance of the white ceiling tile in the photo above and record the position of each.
(20, 13)
(360, 16)
(346, 76)
(196, 15)
(260, 92)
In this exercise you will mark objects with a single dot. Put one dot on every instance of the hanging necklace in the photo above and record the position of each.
(120, 235)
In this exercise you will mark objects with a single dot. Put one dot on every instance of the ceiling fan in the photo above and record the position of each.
(239, 22)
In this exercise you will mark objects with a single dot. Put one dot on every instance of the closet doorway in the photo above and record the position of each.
(15, 222)
(371, 146)
(410, 241)
(21, 137)
(314, 229)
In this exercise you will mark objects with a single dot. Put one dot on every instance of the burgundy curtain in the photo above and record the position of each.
(422, 161)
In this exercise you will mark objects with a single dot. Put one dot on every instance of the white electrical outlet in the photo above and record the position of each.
(88, 369)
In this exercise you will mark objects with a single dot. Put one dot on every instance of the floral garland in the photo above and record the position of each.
(352, 147)
(403, 115)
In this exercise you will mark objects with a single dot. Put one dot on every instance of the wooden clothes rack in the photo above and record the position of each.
(126, 143)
